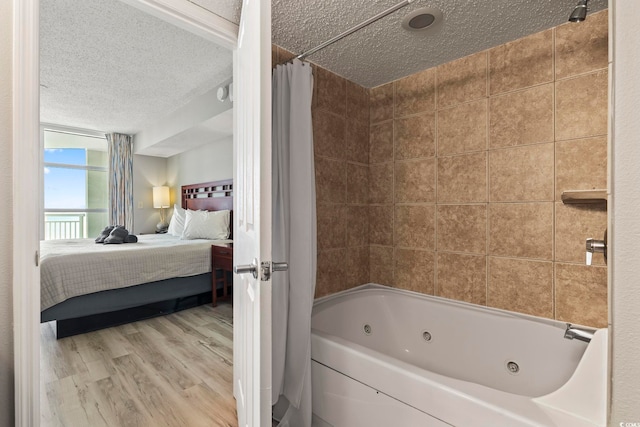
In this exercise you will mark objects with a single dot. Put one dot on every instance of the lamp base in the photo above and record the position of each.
(161, 227)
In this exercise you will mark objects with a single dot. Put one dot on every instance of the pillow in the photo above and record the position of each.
(206, 225)
(176, 225)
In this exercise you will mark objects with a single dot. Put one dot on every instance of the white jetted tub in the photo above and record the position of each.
(388, 357)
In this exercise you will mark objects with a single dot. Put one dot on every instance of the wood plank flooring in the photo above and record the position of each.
(174, 370)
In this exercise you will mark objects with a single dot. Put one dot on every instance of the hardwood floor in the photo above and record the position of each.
(174, 370)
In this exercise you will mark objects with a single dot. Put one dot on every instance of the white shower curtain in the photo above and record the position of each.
(294, 240)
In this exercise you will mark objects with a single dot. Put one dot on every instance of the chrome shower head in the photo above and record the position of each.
(579, 13)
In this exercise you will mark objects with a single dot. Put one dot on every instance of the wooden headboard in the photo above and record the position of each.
(208, 196)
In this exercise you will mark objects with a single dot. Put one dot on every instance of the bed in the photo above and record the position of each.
(87, 286)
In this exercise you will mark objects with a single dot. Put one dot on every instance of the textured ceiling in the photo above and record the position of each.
(217, 128)
(107, 66)
(110, 67)
(384, 51)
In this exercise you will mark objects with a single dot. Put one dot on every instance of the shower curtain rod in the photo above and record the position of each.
(354, 29)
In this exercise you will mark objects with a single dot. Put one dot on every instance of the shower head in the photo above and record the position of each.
(579, 13)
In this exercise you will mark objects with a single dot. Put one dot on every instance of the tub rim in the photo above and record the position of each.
(368, 287)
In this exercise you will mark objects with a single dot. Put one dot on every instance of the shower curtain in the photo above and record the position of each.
(294, 240)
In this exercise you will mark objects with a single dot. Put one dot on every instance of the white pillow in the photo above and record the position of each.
(206, 225)
(176, 225)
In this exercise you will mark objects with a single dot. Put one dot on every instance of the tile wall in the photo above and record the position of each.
(341, 138)
(467, 163)
(448, 181)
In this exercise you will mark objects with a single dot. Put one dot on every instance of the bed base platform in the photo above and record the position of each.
(105, 309)
(80, 325)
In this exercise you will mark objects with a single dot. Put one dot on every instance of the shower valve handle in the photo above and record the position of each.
(594, 246)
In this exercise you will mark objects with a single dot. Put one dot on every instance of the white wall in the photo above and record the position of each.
(6, 248)
(209, 162)
(148, 172)
(624, 203)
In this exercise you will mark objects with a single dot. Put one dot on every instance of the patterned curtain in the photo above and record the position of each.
(120, 180)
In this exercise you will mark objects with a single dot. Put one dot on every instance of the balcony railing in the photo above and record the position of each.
(66, 225)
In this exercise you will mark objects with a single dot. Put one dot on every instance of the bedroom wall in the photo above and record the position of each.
(209, 162)
(148, 172)
(6, 249)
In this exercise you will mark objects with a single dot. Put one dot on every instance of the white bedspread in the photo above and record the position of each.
(69, 268)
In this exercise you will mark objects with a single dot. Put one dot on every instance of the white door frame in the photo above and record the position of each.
(26, 173)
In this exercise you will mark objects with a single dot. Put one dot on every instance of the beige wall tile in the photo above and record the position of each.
(381, 103)
(331, 91)
(521, 230)
(331, 272)
(462, 178)
(331, 180)
(415, 93)
(357, 142)
(523, 117)
(414, 270)
(415, 226)
(357, 266)
(274, 55)
(381, 183)
(462, 277)
(584, 47)
(381, 143)
(462, 80)
(415, 181)
(581, 106)
(415, 137)
(581, 165)
(462, 128)
(328, 134)
(332, 228)
(357, 102)
(381, 265)
(521, 63)
(581, 294)
(521, 173)
(357, 183)
(284, 55)
(381, 225)
(519, 285)
(575, 223)
(386, 218)
(357, 226)
(462, 228)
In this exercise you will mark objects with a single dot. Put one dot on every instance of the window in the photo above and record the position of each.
(75, 185)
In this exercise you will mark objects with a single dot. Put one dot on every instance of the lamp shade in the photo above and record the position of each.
(161, 197)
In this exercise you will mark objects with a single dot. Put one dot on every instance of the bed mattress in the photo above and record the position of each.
(70, 268)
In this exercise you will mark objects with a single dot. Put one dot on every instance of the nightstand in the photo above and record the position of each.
(221, 259)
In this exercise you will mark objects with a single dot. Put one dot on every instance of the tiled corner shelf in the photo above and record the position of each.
(584, 196)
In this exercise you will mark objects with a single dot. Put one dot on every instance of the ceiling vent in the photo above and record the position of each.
(422, 19)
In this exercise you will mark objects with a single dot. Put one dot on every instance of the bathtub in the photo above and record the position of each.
(388, 357)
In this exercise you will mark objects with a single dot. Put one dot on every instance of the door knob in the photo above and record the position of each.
(268, 267)
(247, 268)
